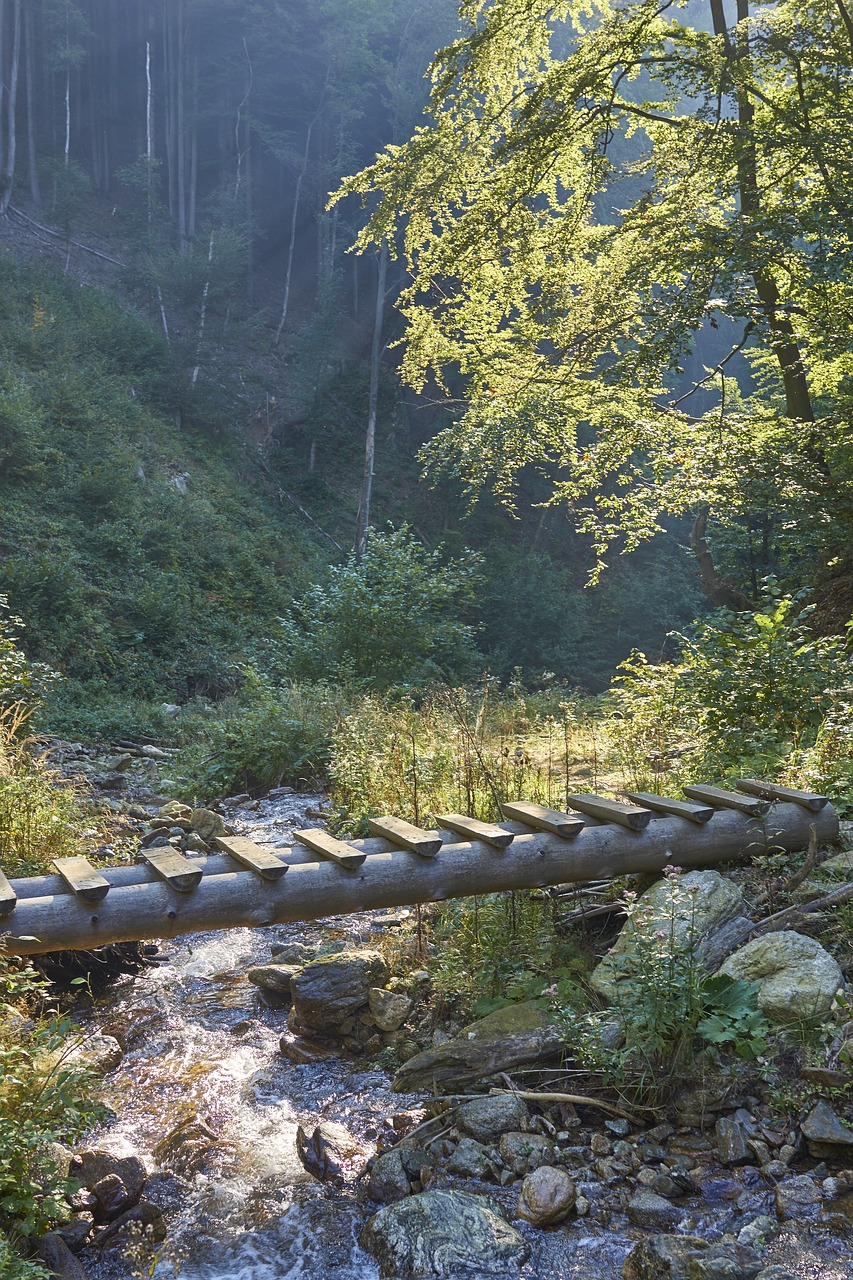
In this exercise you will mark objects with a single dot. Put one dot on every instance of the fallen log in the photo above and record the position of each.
(139, 905)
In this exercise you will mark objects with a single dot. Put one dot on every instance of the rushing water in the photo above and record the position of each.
(198, 1040)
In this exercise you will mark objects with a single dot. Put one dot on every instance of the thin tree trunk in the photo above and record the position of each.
(149, 138)
(180, 134)
(2, 83)
(11, 132)
(32, 153)
(292, 245)
(203, 315)
(363, 523)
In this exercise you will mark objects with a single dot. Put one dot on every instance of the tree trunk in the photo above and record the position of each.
(32, 150)
(363, 523)
(11, 110)
(292, 245)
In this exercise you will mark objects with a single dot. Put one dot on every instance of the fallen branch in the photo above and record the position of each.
(576, 1099)
(808, 866)
(59, 236)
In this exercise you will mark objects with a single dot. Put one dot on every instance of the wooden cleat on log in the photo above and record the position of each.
(626, 815)
(251, 856)
(542, 819)
(8, 897)
(83, 879)
(474, 829)
(406, 836)
(319, 841)
(769, 791)
(699, 813)
(721, 799)
(179, 872)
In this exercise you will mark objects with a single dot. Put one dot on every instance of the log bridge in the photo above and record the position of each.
(243, 884)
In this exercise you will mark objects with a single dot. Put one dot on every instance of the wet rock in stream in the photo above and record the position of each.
(330, 1153)
(443, 1234)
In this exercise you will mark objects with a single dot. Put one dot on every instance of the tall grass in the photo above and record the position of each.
(39, 813)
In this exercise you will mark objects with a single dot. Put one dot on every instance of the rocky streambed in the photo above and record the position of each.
(256, 1139)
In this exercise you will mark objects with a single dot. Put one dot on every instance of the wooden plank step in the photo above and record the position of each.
(679, 808)
(83, 879)
(319, 841)
(474, 829)
(542, 819)
(426, 843)
(625, 815)
(251, 855)
(721, 799)
(179, 872)
(8, 897)
(769, 791)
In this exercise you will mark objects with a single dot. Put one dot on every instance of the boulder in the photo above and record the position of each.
(192, 1147)
(547, 1195)
(76, 1231)
(487, 1118)
(731, 1141)
(390, 1009)
(96, 1053)
(389, 1181)
(686, 909)
(522, 1152)
(797, 979)
(798, 1197)
(144, 1220)
(330, 1153)
(112, 1197)
(825, 1134)
(58, 1258)
(510, 1037)
(207, 824)
(443, 1234)
(648, 1209)
(295, 953)
(471, 1160)
(689, 1258)
(330, 989)
(273, 977)
(92, 1164)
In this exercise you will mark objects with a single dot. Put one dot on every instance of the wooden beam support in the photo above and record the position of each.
(8, 897)
(139, 908)
(721, 799)
(678, 808)
(329, 847)
(406, 836)
(179, 872)
(625, 815)
(769, 791)
(473, 829)
(83, 879)
(542, 819)
(252, 856)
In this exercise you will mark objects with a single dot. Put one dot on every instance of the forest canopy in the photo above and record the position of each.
(600, 189)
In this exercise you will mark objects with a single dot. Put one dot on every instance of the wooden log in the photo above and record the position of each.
(678, 808)
(314, 890)
(329, 847)
(721, 799)
(406, 836)
(83, 879)
(182, 875)
(497, 837)
(542, 819)
(769, 791)
(8, 897)
(251, 855)
(626, 815)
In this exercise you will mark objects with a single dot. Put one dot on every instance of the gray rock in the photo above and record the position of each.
(58, 1258)
(648, 1209)
(328, 990)
(470, 1159)
(96, 1053)
(295, 953)
(522, 1152)
(487, 1118)
(330, 1153)
(797, 979)
(389, 1181)
(689, 1258)
(510, 1037)
(143, 1220)
(758, 1231)
(112, 1197)
(207, 824)
(798, 1197)
(825, 1134)
(547, 1195)
(706, 900)
(390, 1009)
(274, 977)
(76, 1231)
(840, 864)
(443, 1234)
(92, 1164)
(731, 1139)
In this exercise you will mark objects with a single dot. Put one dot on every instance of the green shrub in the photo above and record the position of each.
(392, 617)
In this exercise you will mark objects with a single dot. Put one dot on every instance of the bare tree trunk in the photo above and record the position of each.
(363, 523)
(11, 132)
(32, 155)
(2, 82)
(292, 245)
(203, 315)
(180, 131)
